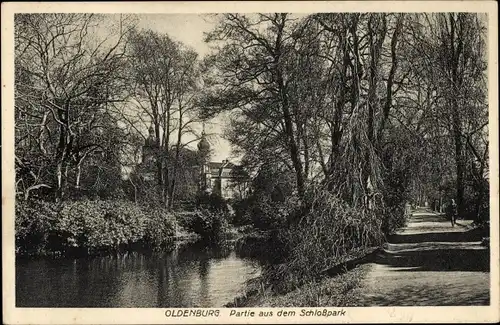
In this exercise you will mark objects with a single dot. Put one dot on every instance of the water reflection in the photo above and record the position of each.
(189, 276)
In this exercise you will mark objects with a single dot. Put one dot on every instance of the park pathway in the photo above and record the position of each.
(429, 263)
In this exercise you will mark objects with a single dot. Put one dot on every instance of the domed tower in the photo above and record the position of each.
(204, 152)
(204, 146)
(149, 148)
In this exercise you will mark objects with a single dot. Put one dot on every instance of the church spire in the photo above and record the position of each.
(150, 141)
(203, 145)
(204, 152)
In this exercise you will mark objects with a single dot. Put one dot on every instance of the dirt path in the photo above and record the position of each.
(429, 263)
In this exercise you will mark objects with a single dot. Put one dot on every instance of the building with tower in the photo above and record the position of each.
(149, 153)
(222, 178)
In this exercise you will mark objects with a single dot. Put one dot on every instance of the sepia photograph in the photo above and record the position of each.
(261, 159)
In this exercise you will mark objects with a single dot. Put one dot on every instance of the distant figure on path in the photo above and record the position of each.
(451, 212)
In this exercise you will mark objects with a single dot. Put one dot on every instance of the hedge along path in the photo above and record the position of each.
(429, 263)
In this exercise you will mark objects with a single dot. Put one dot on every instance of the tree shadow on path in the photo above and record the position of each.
(429, 218)
(430, 264)
(438, 260)
(460, 236)
(452, 250)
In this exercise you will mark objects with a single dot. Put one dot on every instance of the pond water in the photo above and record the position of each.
(190, 275)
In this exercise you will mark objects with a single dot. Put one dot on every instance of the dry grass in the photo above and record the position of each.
(331, 233)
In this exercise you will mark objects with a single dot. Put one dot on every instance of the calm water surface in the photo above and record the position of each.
(189, 276)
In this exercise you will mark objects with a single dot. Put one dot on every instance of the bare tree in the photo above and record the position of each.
(253, 78)
(165, 78)
(65, 78)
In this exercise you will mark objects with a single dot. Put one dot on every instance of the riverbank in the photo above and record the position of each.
(334, 287)
(328, 291)
(82, 228)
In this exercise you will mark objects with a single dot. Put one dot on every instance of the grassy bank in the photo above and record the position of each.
(336, 291)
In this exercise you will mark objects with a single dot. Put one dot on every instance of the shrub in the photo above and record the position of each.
(208, 224)
(272, 198)
(393, 218)
(34, 221)
(101, 224)
(213, 202)
(267, 214)
(160, 227)
(43, 227)
(391, 207)
(241, 215)
(262, 212)
(329, 233)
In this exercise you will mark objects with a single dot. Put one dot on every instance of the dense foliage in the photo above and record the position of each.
(34, 222)
(88, 226)
(210, 225)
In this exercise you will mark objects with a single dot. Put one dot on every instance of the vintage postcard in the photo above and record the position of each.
(250, 162)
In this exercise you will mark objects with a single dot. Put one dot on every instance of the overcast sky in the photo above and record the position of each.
(186, 28)
(189, 29)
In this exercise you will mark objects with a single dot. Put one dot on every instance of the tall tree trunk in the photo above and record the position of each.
(294, 150)
(390, 81)
(166, 153)
(78, 175)
(59, 182)
(460, 168)
(336, 132)
(456, 49)
(135, 189)
(285, 106)
(377, 29)
(177, 154)
(61, 158)
(357, 74)
(66, 171)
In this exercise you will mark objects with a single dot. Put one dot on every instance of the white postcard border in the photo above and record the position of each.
(14, 315)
